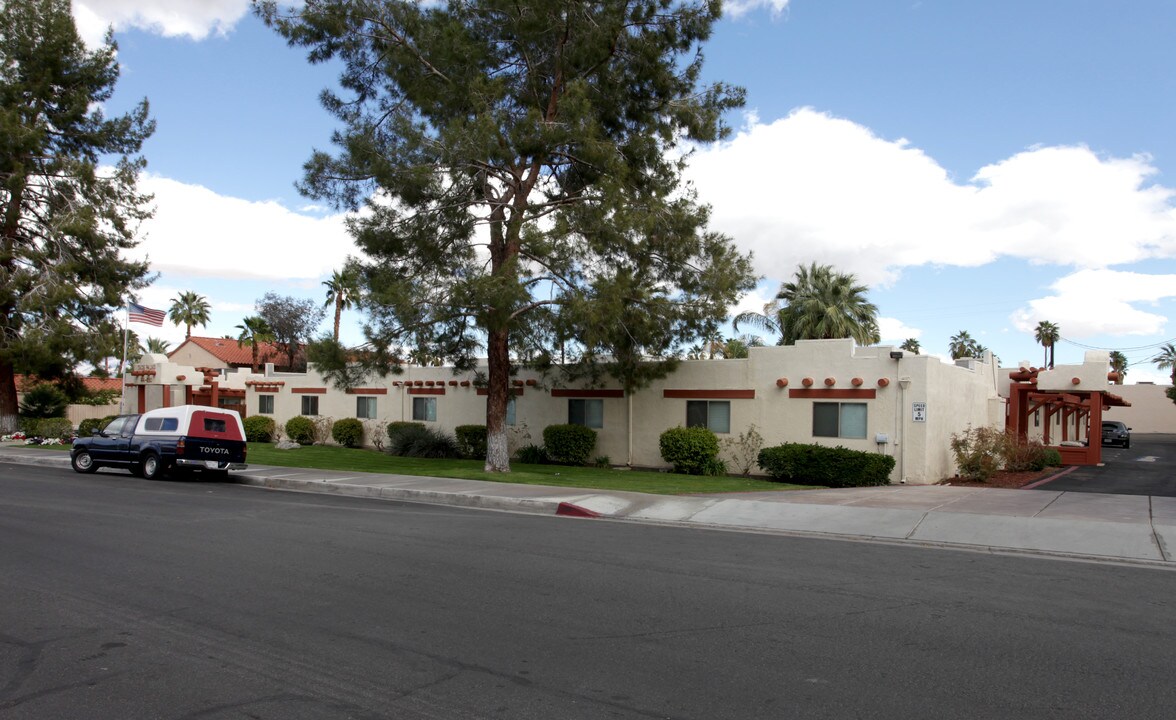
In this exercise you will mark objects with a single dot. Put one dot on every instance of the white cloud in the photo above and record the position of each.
(812, 187)
(1094, 302)
(895, 331)
(198, 232)
(170, 18)
(737, 8)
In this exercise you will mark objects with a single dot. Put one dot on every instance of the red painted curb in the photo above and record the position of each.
(575, 511)
(1051, 478)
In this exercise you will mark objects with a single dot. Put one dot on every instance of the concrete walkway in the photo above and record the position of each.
(1126, 528)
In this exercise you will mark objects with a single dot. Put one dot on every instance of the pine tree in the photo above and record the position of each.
(69, 204)
(529, 153)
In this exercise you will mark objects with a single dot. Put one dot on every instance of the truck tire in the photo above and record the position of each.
(83, 463)
(151, 467)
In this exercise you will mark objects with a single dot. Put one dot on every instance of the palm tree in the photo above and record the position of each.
(156, 345)
(911, 345)
(189, 309)
(254, 330)
(342, 289)
(820, 303)
(1119, 365)
(1047, 334)
(962, 345)
(1167, 359)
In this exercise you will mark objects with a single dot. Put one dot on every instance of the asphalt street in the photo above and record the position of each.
(1148, 467)
(127, 598)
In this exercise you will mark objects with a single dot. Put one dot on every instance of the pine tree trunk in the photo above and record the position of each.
(9, 410)
(497, 396)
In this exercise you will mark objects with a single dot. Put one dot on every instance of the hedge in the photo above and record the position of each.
(691, 450)
(833, 467)
(569, 444)
(348, 432)
(259, 428)
(471, 441)
(300, 429)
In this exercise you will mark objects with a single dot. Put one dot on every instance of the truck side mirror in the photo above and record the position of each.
(94, 432)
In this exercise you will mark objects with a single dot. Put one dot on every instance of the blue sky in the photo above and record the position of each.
(982, 166)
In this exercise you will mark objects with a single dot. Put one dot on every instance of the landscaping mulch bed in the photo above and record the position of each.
(1005, 479)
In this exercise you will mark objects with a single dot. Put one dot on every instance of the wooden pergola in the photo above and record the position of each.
(1081, 409)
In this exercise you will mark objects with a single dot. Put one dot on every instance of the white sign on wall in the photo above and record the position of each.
(919, 411)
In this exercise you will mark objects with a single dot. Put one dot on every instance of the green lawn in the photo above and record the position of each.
(329, 457)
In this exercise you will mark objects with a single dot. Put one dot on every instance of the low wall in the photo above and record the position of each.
(77, 413)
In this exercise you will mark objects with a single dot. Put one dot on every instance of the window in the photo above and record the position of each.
(365, 407)
(213, 425)
(424, 409)
(265, 404)
(845, 420)
(712, 414)
(160, 424)
(510, 411)
(589, 413)
(115, 426)
(310, 404)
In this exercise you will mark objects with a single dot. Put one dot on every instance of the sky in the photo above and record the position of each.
(980, 166)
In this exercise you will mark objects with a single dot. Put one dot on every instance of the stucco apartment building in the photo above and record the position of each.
(876, 399)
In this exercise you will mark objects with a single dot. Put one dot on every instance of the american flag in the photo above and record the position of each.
(140, 314)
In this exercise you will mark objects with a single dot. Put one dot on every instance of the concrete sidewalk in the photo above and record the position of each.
(1128, 528)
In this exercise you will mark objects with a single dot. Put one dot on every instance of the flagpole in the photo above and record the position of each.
(122, 396)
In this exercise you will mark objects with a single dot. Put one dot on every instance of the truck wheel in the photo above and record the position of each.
(151, 467)
(83, 462)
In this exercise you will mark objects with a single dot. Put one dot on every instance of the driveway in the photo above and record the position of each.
(1147, 468)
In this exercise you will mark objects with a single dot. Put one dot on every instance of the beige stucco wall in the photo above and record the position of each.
(194, 356)
(1151, 411)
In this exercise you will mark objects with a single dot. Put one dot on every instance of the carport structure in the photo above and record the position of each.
(1076, 410)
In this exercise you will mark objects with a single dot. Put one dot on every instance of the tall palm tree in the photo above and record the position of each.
(254, 330)
(961, 345)
(1119, 365)
(820, 303)
(189, 309)
(1047, 334)
(342, 289)
(911, 345)
(1166, 359)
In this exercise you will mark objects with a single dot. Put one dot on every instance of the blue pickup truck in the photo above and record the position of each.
(191, 437)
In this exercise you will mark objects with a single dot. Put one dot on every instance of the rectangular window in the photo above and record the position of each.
(712, 414)
(212, 425)
(844, 420)
(265, 404)
(365, 407)
(158, 424)
(510, 412)
(310, 404)
(424, 409)
(589, 413)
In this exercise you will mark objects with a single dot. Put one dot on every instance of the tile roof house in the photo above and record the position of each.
(228, 353)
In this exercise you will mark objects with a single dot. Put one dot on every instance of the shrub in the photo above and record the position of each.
(397, 427)
(373, 430)
(57, 427)
(416, 440)
(89, 425)
(569, 444)
(829, 466)
(1022, 456)
(348, 432)
(1053, 457)
(602, 461)
(978, 452)
(259, 428)
(300, 429)
(43, 400)
(690, 450)
(471, 441)
(532, 454)
(322, 428)
(745, 449)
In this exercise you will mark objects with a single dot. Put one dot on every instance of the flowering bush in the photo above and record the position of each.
(14, 436)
